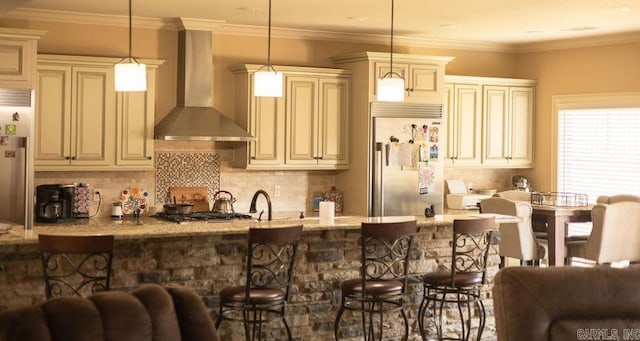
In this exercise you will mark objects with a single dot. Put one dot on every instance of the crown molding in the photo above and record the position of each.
(220, 27)
(574, 43)
(28, 14)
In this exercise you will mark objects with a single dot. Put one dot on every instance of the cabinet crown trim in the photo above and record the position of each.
(302, 70)
(90, 60)
(384, 56)
(489, 80)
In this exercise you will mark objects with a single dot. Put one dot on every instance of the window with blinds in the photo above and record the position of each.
(599, 151)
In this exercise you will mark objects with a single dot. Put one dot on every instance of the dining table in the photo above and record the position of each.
(555, 218)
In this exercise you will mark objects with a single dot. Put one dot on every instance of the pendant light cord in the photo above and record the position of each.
(130, 35)
(269, 67)
(391, 58)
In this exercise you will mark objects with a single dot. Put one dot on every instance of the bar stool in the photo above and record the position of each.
(462, 283)
(385, 249)
(75, 265)
(270, 260)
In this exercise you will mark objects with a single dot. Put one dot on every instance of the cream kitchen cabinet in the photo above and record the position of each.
(317, 121)
(18, 49)
(135, 119)
(490, 121)
(421, 80)
(80, 123)
(423, 75)
(508, 125)
(304, 129)
(463, 107)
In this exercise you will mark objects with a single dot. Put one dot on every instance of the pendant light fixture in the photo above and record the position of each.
(266, 81)
(129, 74)
(391, 89)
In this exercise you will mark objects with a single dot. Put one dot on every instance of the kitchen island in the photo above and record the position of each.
(210, 256)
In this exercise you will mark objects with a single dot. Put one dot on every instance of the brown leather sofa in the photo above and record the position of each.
(150, 312)
(567, 303)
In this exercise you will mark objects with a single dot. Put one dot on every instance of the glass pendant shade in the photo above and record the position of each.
(390, 89)
(130, 76)
(267, 84)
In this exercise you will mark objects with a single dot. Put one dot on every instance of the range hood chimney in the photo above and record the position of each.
(194, 118)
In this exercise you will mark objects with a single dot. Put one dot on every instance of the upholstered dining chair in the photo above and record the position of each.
(615, 235)
(514, 195)
(380, 289)
(517, 240)
(461, 284)
(269, 270)
(580, 231)
(612, 199)
(75, 265)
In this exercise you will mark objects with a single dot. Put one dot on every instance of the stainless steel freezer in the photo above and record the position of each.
(406, 171)
(16, 157)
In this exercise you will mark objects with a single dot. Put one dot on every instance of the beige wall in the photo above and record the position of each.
(602, 69)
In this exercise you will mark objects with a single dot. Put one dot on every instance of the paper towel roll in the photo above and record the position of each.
(327, 212)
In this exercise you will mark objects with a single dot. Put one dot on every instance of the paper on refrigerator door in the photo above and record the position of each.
(400, 154)
(426, 177)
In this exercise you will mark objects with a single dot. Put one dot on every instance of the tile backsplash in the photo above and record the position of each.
(196, 163)
(190, 169)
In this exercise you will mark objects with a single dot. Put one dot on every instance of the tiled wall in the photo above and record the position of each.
(195, 161)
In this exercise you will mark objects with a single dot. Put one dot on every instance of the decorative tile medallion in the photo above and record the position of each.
(197, 169)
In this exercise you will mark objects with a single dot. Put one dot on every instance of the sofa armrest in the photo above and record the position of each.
(557, 303)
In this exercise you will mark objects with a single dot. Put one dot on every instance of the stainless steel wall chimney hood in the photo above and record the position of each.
(194, 118)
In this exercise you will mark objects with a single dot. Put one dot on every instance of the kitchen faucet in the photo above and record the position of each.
(252, 209)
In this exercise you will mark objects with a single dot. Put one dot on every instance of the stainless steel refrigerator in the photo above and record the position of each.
(406, 170)
(16, 157)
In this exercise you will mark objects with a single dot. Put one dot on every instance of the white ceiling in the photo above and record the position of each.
(512, 22)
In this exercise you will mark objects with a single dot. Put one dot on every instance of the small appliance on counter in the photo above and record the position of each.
(520, 183)
(62, 203)
(460, 199)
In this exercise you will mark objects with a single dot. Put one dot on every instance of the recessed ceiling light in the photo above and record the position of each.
(449, 26)
(624, 9)
(580, 29)
(533, 31)
(249, 9)
(358, 19)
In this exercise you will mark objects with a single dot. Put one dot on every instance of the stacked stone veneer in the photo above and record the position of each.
(210, 263)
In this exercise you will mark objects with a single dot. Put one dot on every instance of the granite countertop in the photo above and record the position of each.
(149, 227)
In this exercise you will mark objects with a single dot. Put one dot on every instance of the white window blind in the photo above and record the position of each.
(599, 151)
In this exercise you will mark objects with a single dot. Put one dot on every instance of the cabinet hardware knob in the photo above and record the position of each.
(73, 158)
(67, 158)
(148, 157)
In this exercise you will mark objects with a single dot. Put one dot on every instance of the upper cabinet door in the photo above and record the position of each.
(93, 116)
(135, 119)
(334, 121)
(267, 125)
(522, 109)
(302, 120)
(508, 126)
(53, 115)
(18, 48)
(464, 122)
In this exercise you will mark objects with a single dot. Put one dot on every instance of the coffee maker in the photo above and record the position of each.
(54, 203)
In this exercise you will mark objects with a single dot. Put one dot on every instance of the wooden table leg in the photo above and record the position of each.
(556, 235)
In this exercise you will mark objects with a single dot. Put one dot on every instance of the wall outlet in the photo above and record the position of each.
(96, 194)
(276, 191)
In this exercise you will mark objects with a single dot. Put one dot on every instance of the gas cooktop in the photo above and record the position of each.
(201, 216)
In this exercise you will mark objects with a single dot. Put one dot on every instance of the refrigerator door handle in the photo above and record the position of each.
(378, 194)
